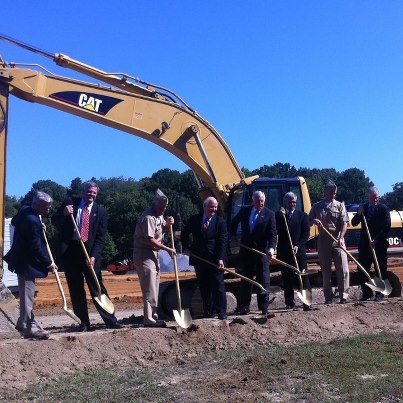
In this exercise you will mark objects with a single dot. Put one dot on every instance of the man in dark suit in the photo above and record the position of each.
(298, 231)
(92, 222)
(209, 233)
(258, 231)
(30, 259)
(378, 220)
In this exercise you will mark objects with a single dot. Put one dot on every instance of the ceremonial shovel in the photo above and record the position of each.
(59, 284)
(374, 284)
(263, 290)
(387, 287)
(101, 299)
(182, 316)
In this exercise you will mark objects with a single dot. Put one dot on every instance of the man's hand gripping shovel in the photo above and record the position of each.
(102, 299)
(59, 284)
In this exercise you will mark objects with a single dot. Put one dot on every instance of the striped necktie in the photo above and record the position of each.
(85, 224)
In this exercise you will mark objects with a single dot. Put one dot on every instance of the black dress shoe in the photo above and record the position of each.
(158, 323)
(222, 316)
(208, 314)
(84, 327)
(290, 306)
(244, 311)
(329, 301)
(307, 308)
(115, 325)
(378, 297)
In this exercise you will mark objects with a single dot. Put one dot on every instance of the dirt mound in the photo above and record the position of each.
(23, 361)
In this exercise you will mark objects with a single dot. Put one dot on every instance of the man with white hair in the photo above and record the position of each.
(377, 216)
(209, 234)
(258, 231)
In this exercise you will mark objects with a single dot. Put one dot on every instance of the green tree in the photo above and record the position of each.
(394, 199)
(11, 206)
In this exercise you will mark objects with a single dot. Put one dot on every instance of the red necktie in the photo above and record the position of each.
(205, 225)
(85, 224)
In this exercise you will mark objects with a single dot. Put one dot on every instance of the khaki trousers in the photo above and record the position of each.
(148, 271)
(328, 252)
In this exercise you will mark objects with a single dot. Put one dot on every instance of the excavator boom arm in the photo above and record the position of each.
(174, 127)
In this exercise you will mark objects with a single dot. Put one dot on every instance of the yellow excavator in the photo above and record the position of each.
(157, 114)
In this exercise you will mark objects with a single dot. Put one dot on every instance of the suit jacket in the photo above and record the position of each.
(379, 225)
(299, 229)
(97, 229)
(264, 234)
(210, 245)
(28, 255)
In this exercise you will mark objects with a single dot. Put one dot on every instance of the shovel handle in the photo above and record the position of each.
(59, 284)
(300, 273)
(178, 291)
(232, 272)
(364, 220)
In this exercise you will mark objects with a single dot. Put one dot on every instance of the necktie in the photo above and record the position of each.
(253, 220)
(85, 224)
(370, 212)
(205, 224)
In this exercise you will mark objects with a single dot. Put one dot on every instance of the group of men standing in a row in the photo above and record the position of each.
(204, 239)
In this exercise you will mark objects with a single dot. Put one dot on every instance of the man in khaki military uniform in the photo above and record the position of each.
(147, 243)
(332, 215)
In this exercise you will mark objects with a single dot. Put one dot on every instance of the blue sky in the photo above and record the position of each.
(317, 84)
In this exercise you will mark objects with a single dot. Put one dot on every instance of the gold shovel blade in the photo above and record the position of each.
(373, 286)
(72, 315)
(388, 287)
(305, 296)
(105, 303)
(183, 318)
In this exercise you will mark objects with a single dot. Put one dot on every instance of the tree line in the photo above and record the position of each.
(126, 198)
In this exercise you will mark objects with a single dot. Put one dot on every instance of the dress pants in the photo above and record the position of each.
(148, 271)
(76, 270)
(26, 322)
(212, 289)
(253, 265)
(328, 252)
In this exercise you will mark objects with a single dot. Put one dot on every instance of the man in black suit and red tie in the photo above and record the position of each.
(92, 221)
(210, 238)
(378, 220)
(298, 231)
(258, 231)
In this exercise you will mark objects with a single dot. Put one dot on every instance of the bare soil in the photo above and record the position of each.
(25, 361)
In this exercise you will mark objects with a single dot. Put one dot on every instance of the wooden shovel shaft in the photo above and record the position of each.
(258, 252)
(59, 284)
(178, 291)
(378, 270)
